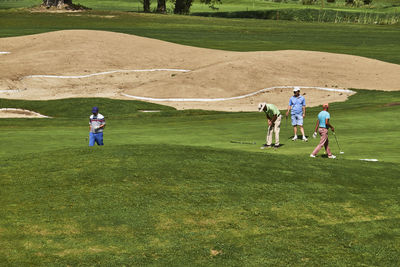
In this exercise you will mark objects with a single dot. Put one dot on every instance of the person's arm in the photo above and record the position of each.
(274, 119)
(328, 125)
(268, 119)
(316, 128)
(271, 121)
(289, 107)
(304, 111)
(103, 123)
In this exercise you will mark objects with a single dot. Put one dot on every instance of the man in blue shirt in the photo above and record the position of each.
(297, 106)
(323, 126)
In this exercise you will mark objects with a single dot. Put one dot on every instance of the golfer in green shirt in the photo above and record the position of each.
(274, 123)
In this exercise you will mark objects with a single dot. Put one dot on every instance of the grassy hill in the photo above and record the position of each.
(177, 188)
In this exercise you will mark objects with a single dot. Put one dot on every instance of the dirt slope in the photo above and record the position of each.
(213, 73)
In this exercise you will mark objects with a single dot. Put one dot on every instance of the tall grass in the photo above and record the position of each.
(311, 15)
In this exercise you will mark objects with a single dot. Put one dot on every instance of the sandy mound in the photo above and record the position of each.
(213, 73)
(19, 113)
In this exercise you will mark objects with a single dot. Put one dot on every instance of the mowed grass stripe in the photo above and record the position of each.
(373, 41)
(363, 126)
(140, 204)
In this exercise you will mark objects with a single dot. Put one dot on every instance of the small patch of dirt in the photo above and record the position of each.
(392, 104)
(214, 252)
(19, 113)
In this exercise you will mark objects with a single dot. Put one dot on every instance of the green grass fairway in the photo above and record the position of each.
(373, 41)
(171, 189)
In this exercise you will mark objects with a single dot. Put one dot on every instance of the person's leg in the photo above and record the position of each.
(302, 130)
(299, 118)
(326, 145)
(324, 137)
(100, 139)
(277, 129)
(269, 136)
(294, 124)
(91, 139)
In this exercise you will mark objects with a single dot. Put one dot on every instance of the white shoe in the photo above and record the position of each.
(294, 138)
(332, 157)
(312, 156)
(305, 139)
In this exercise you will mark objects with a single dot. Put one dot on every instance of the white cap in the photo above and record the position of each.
(261, 106)
(296, 89)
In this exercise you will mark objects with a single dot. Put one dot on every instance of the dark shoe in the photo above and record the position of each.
(265, 146)
(276, 146)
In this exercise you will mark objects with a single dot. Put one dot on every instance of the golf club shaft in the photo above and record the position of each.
(337, 142)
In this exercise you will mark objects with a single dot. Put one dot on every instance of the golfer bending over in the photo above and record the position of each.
(323, 126)
(274, 123)
(96, 126)
(297, 108)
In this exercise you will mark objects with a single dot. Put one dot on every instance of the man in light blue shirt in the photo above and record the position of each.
(297, 106)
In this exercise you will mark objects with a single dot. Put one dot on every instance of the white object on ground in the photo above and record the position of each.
(369, 159)
(24, 110)
(100, 73)
(230, 98)
(341, 152)
(4, 53)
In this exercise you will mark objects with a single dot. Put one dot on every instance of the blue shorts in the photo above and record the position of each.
(297, 119)
(96, 137)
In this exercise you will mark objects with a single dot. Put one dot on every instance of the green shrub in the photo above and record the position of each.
(308, 2)
(358, 2)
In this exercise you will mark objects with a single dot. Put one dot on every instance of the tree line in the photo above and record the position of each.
(180, 6)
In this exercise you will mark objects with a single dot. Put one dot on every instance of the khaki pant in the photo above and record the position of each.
(276, 128)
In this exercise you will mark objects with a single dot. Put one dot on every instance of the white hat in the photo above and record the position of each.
(261, 106)
(296, 89)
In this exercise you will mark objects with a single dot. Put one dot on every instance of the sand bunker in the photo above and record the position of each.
(213, 73)
(19, 113)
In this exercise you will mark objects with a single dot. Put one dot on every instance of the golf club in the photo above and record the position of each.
(286, 121)
(243, 142)
(340, 150)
